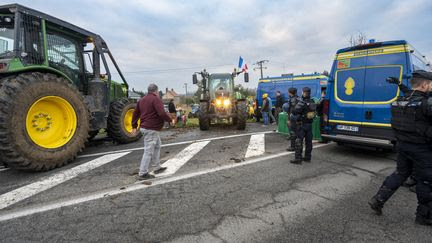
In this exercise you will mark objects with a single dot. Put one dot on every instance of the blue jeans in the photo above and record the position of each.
(152, 146)
(265, 117)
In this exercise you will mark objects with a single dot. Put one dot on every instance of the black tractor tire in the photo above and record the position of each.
(242, 115)
(203, 117)
(235, 120)
(17, 94)
(116, 129)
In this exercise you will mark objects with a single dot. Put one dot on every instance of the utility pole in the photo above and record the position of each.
(260, 66)
(186, 95)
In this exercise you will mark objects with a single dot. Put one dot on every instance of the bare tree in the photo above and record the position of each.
(357, 39)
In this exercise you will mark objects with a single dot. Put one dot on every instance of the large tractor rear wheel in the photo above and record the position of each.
(204, 120)
(44, 121)
(120, 121)
(242, 115)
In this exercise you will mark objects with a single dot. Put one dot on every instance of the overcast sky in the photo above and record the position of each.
(166, 41)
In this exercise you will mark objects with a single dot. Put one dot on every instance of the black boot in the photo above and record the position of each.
(423, 221)
(424, 214)
(291, 149)
(296, 161)
(376, 205)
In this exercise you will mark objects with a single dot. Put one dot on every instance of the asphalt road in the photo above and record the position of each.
(223, 186)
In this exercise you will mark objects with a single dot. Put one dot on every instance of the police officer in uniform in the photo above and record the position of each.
(304, 111)
(292, 92)
(412, 123)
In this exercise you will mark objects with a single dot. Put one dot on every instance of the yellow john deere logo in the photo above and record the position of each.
(349, 86)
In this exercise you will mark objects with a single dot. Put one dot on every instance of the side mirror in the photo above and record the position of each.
(194, 78)
(246, 77)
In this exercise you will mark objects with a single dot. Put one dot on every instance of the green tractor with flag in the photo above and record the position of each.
(219, 101)
(53, 96)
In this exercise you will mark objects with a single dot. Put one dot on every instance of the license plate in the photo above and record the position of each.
(347, 128)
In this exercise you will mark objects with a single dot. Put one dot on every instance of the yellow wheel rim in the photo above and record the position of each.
(127, 121)
(51, 122)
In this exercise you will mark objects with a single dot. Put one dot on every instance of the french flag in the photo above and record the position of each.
(242, 65)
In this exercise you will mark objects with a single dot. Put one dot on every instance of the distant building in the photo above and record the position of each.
(171, 95)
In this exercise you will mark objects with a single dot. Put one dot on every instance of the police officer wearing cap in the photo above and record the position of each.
(304, 112)
(412, 123)
(292, 92)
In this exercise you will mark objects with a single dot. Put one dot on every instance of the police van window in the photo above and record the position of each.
(418, 63)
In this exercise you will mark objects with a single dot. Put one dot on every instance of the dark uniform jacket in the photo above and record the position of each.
(279, 101)
(302, 108)
(412, 117)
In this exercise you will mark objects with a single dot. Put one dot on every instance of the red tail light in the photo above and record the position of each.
(326, 105)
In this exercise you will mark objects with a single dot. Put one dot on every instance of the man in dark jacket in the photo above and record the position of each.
(278, 105)
(293, 100)
(173, 112)
(412, 123)
(150, 110)
(305, 111)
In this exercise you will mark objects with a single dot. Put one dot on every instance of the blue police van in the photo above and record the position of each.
(357, 104)
(315, 81)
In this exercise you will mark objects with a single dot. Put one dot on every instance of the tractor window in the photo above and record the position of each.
(6, 34)
(65, 55)
(220, 84)
(31, 40)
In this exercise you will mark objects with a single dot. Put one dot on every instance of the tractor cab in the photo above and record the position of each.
(221, 88)
(50, 71)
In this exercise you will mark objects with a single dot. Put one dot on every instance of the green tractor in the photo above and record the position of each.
(53, 97)
(219, 101)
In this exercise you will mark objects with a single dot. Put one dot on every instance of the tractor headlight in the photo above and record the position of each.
(227, 102)
(218, 102)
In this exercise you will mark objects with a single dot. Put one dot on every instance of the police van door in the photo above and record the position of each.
(346, 105)
(378, 94)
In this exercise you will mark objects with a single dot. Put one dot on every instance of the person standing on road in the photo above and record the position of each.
(265, 109)
(278, 105)
(305, 112)
(172, 111)
(292, 92)
(150, 111)
(271, 117)
(412, 123)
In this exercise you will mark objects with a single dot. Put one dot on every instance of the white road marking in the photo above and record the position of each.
(2, 168)
(130, 188)
(173, 144)
(256, 146)
(174, 164)
(27, 191)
